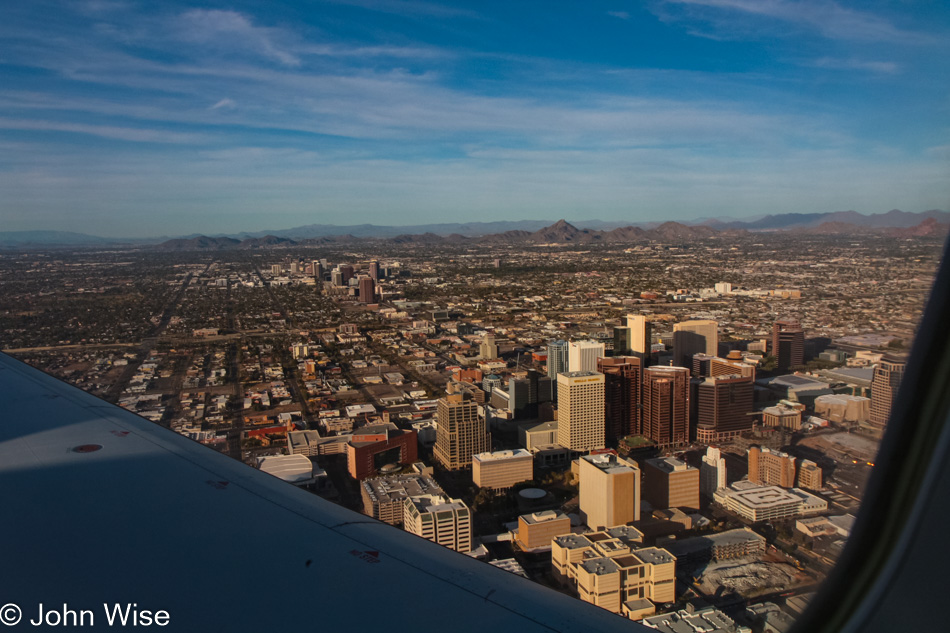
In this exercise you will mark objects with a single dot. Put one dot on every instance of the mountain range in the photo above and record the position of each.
(589, 231)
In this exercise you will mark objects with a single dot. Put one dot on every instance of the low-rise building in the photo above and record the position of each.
(439, 519)
(782, 417)
(532, 436)
(757, 502)
(537, 530)
(501, 470)
(843, 408)
(608, 572)
(729, 545)
(384, 497)
(373, 447)
(708, 620)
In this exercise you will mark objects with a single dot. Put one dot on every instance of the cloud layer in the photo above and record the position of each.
(121, 120)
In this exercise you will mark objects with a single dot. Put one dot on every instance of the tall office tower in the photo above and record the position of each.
(621, 395)
(317, 269)
(276, 269)
(347, 273)
(374, 270)
(440, 519)
(772, 468)
(367, 290)
(694, 337)
(641, 335)
(720, 407)
(519, 397)
(583, 355)
(712, 472)
(621, 341)
(670, 483)
(788, 344)
(545, 388)
(336, 277)
(525, 394)
(609, 491)
(487, 349)
(460, 433)
(884, 386)
(557, 362)
(665, 412)
(580, 410)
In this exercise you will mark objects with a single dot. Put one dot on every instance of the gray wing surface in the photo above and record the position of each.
(158, 520)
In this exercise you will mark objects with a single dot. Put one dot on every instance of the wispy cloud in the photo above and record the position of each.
(230, 31)
(623, 15)
(887, 68)
(136, 134)
(410, 7)
(824, 16)
(223, 103)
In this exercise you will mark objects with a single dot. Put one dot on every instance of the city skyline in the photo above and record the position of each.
(122, 120)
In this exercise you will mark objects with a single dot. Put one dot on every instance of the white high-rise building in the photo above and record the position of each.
(641, 335)
(580, 410)
(712, 472)
(583, 355)
(557, 362)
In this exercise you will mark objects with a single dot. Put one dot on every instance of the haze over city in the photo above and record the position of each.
(123, 119)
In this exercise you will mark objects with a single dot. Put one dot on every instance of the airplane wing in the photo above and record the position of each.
(101, 507)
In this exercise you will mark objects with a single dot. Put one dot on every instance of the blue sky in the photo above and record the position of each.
(126, 118)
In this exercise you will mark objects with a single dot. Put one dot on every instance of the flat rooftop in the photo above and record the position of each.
(792, 380)
(600, 566)
(573, 541)
(723, 539)
(762, 497)
(625, 533)
(542, 517)
(654, 556)
(436, 503)
(610, 464)
(668, 464)
(497, 456)
(398, 488)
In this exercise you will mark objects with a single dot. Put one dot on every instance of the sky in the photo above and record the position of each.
(139, 119)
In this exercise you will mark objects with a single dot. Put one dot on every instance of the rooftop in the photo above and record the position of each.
(518, 453)
(669, 464)
(389, 489)
(722, 539)
(291, 468)
(573, 541)
(609, 463)
(761, 497)
(542, 517)
(600, 566)
(654, 556)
